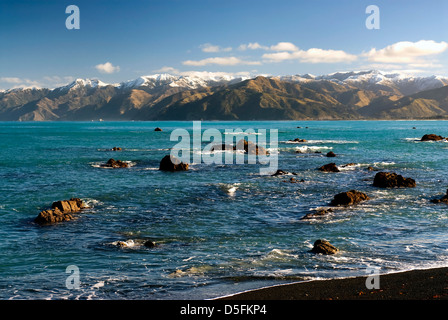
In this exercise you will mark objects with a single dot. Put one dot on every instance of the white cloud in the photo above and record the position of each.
(208, 47)
(165, 69)
(313, 55)
(16, 82)
(11, 80)
(281, 46)
(284, 46)
(406, 52)
(107, 68)
(222, 61)
(252, 46)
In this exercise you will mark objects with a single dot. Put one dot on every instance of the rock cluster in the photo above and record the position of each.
(61, 211)
(243, 145)
(432, 137)
(392, 180)
(112, 163)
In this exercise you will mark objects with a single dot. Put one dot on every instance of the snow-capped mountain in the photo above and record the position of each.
(191, 81)
(82, 83)
(396, 83)
(206, 95)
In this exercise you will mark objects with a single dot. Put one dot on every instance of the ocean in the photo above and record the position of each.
(219, 228)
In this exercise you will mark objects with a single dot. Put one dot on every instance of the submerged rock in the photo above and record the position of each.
(280, 172)
(294, 180)
(317, 214)
(330, 167)
(431, 137)
(116, 149)
(324, 247)
(242, 145)
(250, 148)
(348, 198)
(112, 163)
(171, 163)
(443, 199)
(221, 147)
(392, 180)
(299, 140)
(61, 211)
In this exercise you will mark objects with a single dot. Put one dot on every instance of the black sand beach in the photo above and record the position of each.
(428, 284)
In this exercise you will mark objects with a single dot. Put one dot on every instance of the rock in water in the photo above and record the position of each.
(330, 167)
(149, 244)
(116, 149)
(112, 163)
(443, 199)
(280, 172)
(171, 163)
(431, 137)
(299, 140)
(324, 247)
(61, 211)
(157, 129)
(250, 147)
(317, 214)
(392, 180)
(331, 154)
(348, 198)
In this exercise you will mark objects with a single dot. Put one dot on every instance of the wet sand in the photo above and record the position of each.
(428, 284)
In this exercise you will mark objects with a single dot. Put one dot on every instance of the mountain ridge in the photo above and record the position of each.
(343, 95)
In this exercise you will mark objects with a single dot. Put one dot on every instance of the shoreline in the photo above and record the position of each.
(417, 284)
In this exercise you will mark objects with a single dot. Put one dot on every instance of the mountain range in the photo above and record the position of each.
(344, 95)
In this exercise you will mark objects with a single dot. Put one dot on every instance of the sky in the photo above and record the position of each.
(120, 40)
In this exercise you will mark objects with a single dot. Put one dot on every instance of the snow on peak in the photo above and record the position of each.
(80, 83)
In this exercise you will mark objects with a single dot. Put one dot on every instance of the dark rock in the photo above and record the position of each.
(281, 173)
(149, 244)
(171, 163)
(348, 165)
(318, 214)
(112, 163)
(61, 211)
(298, 140)
(370, 168)
(157, 129)
(330, 167)
(116, 149)
(294, 180)
(392, 180)
(443, 199)
(431, 137)
(348, 198)
(220, 147)
(250, 147)
(324, 247)
(331, 154)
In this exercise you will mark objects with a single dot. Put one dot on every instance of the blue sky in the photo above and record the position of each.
(120, 40)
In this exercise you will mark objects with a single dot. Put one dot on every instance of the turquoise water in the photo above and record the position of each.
(220, 229)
